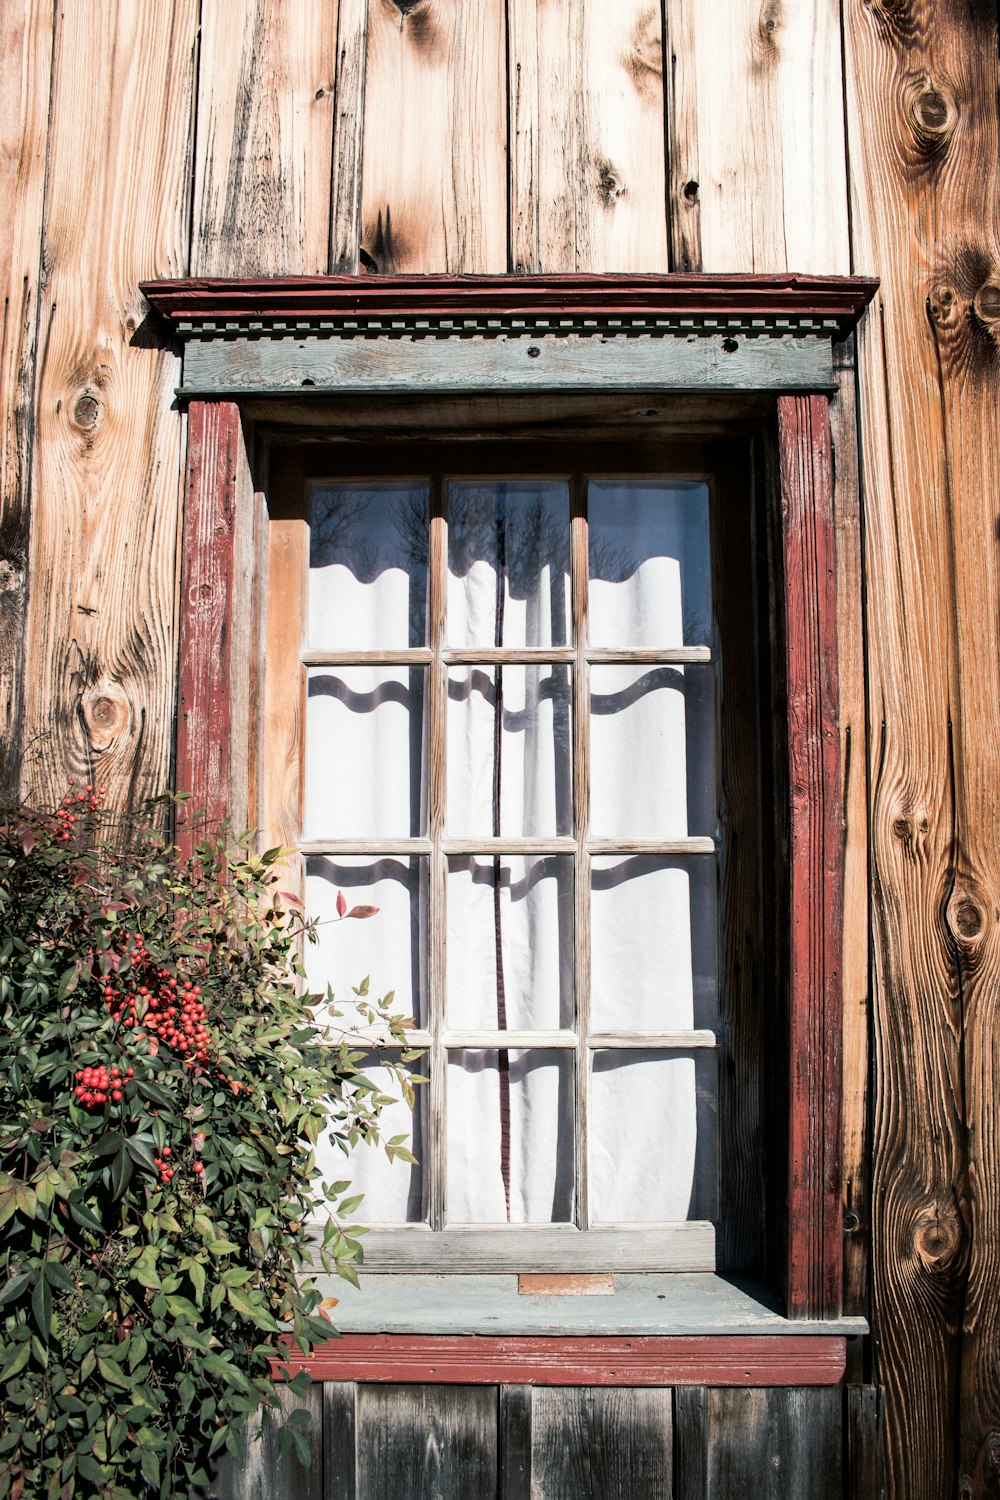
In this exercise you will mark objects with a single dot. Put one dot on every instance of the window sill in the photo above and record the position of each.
(671, 1329)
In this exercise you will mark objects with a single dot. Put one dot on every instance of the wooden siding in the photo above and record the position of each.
(260, 136)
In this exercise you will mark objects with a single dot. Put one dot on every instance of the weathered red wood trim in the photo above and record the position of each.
(453, 1359)
(267, 298)
(207, 553)
(815, 1256)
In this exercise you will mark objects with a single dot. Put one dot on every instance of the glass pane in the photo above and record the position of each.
(650, 575)
(510, 1137)
(652, 752)
(653, 943)
(508, 563)
(390, 948)
(510, 943)
(395, 1191)
(364, 753)
(368, 566)
(653, 1144)
(510, 752)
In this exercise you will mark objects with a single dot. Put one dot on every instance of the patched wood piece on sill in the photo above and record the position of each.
(595, 1284)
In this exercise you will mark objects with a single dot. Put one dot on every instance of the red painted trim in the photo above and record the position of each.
(840, 297)
(814, 1277)
(806, 1359)
(203, 699)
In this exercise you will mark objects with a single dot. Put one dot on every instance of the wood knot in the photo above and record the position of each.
(610, 186)
(966, 918)
(945, 306)
(769, 25)
(643, 58)
(986, 307)
(933, 114)
(912, 828)
(86, 410)
(938, 1239)
(106, 715)
(11, 577)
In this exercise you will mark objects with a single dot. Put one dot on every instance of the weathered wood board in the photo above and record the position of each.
(587, 184)
(922, 113)
(772, 1444)
(266, 87)
(434, 193)
(25, 64)
(100, 634)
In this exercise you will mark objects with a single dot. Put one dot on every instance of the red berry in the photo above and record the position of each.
(198, 1167)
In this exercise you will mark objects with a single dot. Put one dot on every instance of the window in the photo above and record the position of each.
(510, 670)
(748, 357)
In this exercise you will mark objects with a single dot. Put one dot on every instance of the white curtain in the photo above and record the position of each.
(510, 1135)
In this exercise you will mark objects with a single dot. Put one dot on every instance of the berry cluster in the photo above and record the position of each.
(66, 817)
(171, 1011)
(96, 1086)
(166, 1170)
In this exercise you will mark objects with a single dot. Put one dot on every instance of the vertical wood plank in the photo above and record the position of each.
(434, 178)
(26, 34)
(601, 1443)
(285, 680)
(514, 1442)
(348, 134)
(814, 1280)
(757, 163)
(922, 87)
(428, 1442)
(863, 1414)
(215, 470)
(263, 1475)
(853, 743)
(339, 1429)
(587, 183)
(100, 631)
(768, 1443)
(265, 131)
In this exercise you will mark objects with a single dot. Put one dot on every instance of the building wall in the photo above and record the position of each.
(220, 137)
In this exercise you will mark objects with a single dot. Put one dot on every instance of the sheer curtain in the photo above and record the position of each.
(511, 1132)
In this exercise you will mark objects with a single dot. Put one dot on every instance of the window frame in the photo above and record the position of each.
(737, 343)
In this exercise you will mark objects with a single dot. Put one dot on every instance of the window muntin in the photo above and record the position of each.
(524, 777)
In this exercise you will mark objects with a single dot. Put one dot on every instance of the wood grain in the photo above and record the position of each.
(25, 68)
(284, 680)
(585, 103)
(598, 1443)
(348, 135)
(815, 1269)
(774, 1444)
(720, 1360)
(100, 628)
(921, 89)
(265, 130)
(429, 1442)
(434, 176)
(262, 1475)
(756, 148)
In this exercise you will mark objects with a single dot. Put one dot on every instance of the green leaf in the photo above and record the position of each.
(149, 1463)
(41, 1306)
(113, 1374)
(16, 1361)
(14, 1287)
(82, 1215)
(121, 1172)
(57, 1275)
(196, 1271)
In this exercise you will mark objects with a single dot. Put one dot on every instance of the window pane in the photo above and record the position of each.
(368, 566)
(510, 943)
(650, 576)
(395, 1191)
(508, 563)
(510, 1120)
(510, 747)
(653, 943)
(652, 761)
(653, 1147)
(390, 948)
(364, 753)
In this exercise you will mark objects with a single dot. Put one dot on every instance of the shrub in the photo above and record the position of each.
(163, 1080)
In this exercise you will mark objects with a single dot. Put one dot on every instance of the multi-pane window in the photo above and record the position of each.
(510, 750)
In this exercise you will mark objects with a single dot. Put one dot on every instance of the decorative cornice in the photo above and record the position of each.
(437, 307)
